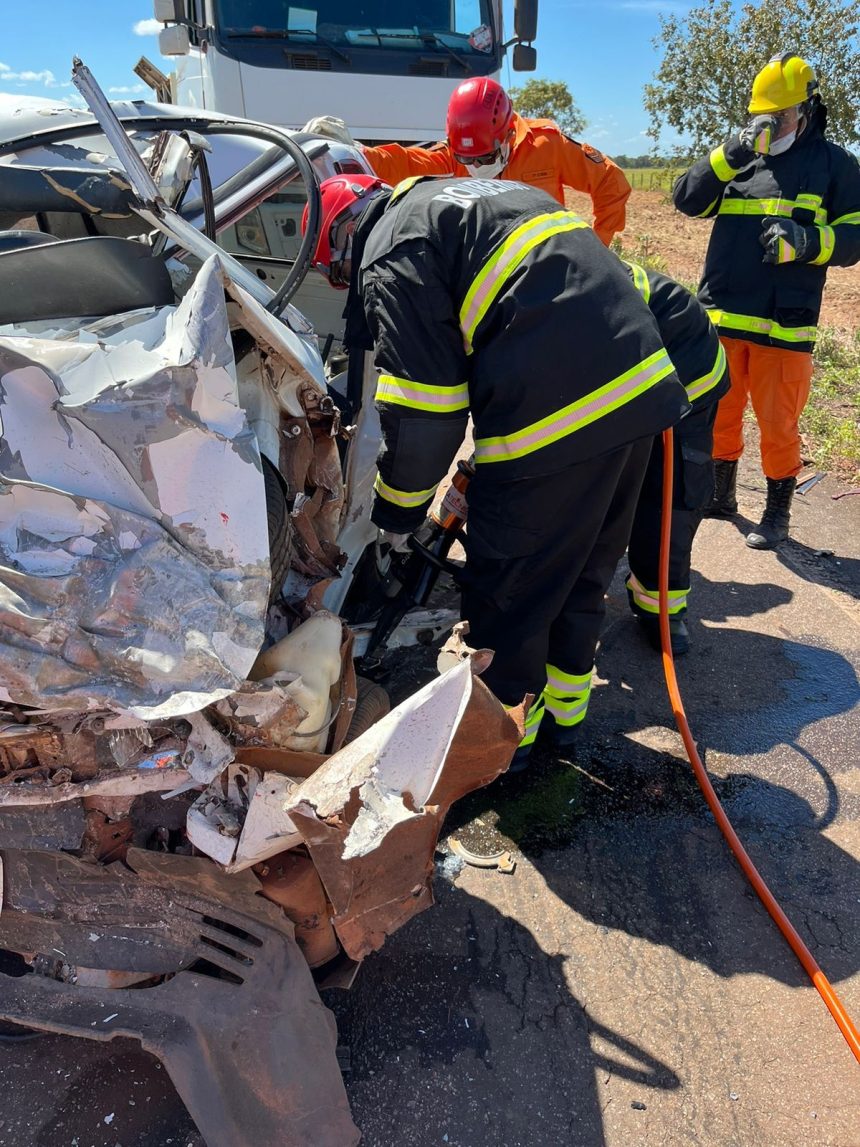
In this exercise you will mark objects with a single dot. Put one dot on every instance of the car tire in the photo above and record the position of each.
(371, 705)
(280, 527)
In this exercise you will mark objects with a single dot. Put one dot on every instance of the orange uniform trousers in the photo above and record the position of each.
(777, 382)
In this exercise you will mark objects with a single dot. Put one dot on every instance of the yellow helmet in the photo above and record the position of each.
(783, 82)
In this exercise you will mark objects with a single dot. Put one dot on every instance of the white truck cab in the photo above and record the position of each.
(386, 69)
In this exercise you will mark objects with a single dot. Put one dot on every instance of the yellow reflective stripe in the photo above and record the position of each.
(649, 599)
(422, 396)
(569, 419)
(721, 166)
(708, 381)
(559, 681)
(762, 327)
(828, 241)
(704, 214)
(566, 695)
(780, 208)
(640, 281)
(508, 256)
(408, 499)
(853, 217)
(532, 721)
(567, 713)
(403, 186)
(806, 201)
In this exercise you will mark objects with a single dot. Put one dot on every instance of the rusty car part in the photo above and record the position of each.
(109, 832)
(53, 826)
(291, 881)
(371, 815)
(234, 1016)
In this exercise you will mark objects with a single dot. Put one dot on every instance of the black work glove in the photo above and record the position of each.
(752, 140)
(785, 241)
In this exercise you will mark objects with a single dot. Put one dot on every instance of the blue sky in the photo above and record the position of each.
(602, 49)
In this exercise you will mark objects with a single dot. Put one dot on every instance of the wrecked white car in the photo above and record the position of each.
(204, 814)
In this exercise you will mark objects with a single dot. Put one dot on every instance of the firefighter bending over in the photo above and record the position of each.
(786, 205)
(488, 140)
(484, 296)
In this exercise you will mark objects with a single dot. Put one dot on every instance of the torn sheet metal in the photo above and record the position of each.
(132, 513)
(208, 751)
(241, 820)
(262, 712)
(371, 815)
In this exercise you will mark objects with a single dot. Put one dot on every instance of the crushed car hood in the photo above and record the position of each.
(133, 533)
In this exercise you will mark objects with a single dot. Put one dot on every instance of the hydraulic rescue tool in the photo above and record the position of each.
(411, 577)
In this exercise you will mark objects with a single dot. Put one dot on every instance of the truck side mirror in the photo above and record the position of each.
(525, 24)
(169, 11)
(174, 41)
(524, 58)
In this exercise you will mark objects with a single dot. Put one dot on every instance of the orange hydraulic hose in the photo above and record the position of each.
(810, 966)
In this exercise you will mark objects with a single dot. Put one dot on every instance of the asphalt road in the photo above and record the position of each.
(623, 987)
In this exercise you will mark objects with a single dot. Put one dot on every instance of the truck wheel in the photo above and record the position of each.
(280, 527)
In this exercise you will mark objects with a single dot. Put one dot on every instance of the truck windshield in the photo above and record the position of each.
(460, 32)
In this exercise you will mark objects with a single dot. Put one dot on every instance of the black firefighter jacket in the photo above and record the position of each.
(484, 296)
(815, 183)
(688, 335)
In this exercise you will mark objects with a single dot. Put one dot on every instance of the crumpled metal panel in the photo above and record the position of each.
(371, 814)
(132, 513)
(239, 820)
(239, 1024)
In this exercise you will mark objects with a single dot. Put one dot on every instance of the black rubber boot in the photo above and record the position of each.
(678, 633)
(724, 503)
(559, 736)
(773, 527)
(521, 760)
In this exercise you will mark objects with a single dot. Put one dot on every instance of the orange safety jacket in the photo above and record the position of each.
(542, 156)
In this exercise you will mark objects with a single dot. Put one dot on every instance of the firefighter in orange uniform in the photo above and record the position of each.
(488, 140)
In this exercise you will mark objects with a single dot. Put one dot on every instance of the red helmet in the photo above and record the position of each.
(344, 198)
(480, 118)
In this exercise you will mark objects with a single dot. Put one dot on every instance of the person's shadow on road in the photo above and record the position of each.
(464, 1030)
(642, 852)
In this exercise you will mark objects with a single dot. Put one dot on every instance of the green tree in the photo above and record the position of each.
(548, 99)
(711, 54)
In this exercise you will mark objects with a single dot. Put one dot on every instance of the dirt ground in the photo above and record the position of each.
(655, 227)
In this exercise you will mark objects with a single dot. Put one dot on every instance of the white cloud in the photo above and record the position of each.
(147, 27)
(134, 90)
(44, 77)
